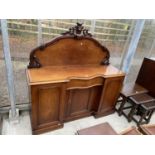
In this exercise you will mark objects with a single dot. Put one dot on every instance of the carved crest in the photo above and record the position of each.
(78, 31)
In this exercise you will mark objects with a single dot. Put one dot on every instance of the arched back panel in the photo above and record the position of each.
(75, 47)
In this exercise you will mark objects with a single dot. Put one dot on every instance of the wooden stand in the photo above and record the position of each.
(70, 78)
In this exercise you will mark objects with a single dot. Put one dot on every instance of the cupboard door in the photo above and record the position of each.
(80, 102)
(47, 107)
(110, 93)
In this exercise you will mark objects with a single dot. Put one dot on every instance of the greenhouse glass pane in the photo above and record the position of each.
(145, 48)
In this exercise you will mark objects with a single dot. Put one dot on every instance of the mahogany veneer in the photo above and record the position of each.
(100, 129)
(69, 78)
(146, 75)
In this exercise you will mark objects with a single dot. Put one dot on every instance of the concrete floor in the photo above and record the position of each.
(70, 128)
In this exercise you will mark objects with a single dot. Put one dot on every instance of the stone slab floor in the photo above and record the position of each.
(70, 128)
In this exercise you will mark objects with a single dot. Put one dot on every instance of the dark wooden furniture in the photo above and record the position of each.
(146, 111)
(141, 104)
(146, 76)
(128, 90)
(136, 101)
(70, 78)
(100, 129)
(136, 93)
(148, 129)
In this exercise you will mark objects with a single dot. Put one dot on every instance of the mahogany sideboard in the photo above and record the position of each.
(70, 78)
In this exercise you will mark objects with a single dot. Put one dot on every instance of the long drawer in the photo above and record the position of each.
(85, 83)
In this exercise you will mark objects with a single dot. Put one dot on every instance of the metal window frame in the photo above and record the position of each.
(9, 67)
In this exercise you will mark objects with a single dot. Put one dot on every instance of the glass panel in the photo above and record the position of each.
(146, 48)
(4, 97)
(113, 34)
(23, 38)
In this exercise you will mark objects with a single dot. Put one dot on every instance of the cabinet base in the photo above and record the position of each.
(99, 114)
(72, 118)
(47, 129)
(53, 127)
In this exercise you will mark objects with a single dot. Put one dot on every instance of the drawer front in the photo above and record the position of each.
(82, 83)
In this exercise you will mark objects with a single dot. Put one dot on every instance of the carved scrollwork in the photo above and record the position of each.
(105, 61)
(34, 62)
(78, 31)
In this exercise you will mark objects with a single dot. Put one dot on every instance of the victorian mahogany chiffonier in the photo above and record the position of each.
(70, 78)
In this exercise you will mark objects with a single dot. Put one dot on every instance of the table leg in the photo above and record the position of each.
(149, 117)
(120, 110)
(131, 113)
(142, 117)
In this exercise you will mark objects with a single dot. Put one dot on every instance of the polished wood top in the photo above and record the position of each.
(142, 98)
(100, 129)
(55, 74)
(130, 89)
